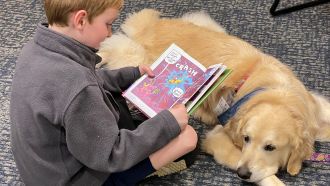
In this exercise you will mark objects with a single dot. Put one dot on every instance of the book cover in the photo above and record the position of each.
(178, 78)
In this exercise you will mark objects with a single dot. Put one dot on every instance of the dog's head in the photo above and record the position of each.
(273, 131)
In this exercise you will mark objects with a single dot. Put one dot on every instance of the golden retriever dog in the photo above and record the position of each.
(275, 128)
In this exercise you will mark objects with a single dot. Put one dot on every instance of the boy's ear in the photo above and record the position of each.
(80, 19)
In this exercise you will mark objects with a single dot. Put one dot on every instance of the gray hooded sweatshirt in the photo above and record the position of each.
(63, 126)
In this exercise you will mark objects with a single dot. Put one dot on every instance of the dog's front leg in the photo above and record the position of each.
(219, 144)
(271, 181)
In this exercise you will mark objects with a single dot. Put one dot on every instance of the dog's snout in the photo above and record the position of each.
(244, 172)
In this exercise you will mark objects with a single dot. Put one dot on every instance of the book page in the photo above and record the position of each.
(191, 91)
(219, 69)
(176, 74)
(219, 81)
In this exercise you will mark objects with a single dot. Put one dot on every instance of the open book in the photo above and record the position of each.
(179, 78)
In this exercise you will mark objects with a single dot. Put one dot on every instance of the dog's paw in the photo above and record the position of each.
(210, 142)
(215, 130)
(220, 145)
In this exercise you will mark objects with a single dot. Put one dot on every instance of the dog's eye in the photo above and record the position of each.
(269, 148)
(246, 139)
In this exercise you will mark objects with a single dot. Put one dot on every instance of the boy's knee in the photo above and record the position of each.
(190, 138)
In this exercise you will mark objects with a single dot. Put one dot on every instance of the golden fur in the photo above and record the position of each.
(274, 129)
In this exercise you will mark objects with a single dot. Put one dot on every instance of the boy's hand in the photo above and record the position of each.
(180, 113)
(146, 69)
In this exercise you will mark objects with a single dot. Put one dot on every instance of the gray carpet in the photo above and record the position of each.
(299, 39)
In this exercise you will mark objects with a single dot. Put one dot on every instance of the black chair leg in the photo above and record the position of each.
(275, 12)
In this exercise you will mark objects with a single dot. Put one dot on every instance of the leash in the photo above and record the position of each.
(226, 108)
(229, 113)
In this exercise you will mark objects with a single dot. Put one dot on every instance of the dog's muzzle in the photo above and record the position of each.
(244, 172)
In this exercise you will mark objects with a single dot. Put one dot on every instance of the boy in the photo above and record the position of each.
(70, 126)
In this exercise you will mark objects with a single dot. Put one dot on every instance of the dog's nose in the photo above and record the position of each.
(243, 172)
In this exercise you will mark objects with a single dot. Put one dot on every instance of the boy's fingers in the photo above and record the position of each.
(149, 72)
(145, 69)
(179, 105)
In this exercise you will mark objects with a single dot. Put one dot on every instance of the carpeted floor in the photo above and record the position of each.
(299, 39)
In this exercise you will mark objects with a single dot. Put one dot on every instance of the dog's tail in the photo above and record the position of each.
(138, 22)
(323, 116)
(201, 18)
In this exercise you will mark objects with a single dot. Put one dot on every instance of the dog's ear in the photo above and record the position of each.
(303, 132)
(236, 124)
(302, 149)
(302, 143)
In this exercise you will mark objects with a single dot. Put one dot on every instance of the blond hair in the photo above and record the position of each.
(57, 11)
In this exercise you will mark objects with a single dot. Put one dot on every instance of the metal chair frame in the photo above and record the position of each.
(275, 12)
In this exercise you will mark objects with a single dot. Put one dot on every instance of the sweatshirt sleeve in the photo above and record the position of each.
(120, 79)
(94, 139)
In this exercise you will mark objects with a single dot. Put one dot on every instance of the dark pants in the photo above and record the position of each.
(144, 168)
